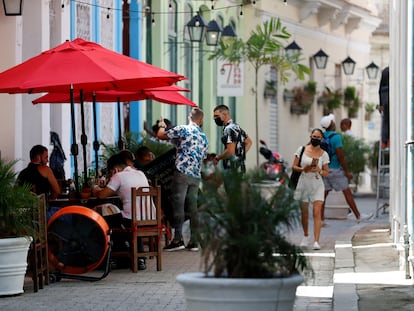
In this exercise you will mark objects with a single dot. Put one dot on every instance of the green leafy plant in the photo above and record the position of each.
(17, 204)
(264, 47)
(357, 154)
(132, 141)
(331, 99)
(369, 110)
(303, 98)
(242, 232)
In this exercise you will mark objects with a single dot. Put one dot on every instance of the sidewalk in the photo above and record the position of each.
(372, 280)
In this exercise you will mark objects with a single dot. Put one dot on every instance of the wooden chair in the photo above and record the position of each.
(38, 263)
(146, 223)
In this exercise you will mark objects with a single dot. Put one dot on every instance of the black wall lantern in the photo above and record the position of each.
(348, 65)
(292, 50)
(372, 71)
(213, 33)
(228, 31)
(13, 7)
(321, 59)
(196, 28)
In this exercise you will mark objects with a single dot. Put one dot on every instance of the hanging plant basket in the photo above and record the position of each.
(288, 96)
(299, 109)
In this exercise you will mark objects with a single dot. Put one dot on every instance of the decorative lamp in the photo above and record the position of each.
(321, 59)
(228, 31)
(13, 7)
(213, 33)
(372, 71)
(196, 28)
(348, 65)
(292, 49)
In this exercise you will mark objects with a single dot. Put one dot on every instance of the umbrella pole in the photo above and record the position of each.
(84, 140)
(95, 129)
(74, 148)
(120, 144)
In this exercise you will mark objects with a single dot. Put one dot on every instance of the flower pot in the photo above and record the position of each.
(298, 109)
(13, 264)
(233, 294)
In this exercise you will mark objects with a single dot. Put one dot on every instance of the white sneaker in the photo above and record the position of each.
(305, 241)
(364, 217)
(316, 246)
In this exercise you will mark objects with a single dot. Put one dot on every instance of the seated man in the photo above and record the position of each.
(39, 175)
(143, 156)
(123, 178)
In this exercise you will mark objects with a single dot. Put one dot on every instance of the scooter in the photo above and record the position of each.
(274, 166)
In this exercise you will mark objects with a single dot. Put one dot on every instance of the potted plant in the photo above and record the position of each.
(330, 100)
(269, 89)
(246, 257)
(17, 205)
(303, 98)
(356, 153)
(369, 110)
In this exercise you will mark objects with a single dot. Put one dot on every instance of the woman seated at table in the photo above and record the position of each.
(123, 178)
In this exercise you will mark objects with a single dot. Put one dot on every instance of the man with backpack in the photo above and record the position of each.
(339, 176)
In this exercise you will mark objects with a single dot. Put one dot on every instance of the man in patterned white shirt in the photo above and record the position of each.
(192, 146)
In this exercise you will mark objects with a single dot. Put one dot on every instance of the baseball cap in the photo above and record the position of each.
(326, 120)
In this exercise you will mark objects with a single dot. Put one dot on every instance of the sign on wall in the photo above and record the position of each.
(229, 79)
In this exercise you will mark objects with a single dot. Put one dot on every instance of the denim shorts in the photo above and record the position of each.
(336, 180)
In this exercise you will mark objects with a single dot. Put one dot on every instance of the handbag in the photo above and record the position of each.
(294, 177)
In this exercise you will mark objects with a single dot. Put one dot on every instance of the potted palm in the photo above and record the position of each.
(356, 152)
(17, 205)
(248, 263)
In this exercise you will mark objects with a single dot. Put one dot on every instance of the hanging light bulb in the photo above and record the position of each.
(153, 19)
(170, 5)
(285, 2)
(212, 4)
(241, 10)
(254, 2)
(63, 4)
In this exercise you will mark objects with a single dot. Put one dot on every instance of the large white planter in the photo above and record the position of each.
(13, 264)
(211, 294)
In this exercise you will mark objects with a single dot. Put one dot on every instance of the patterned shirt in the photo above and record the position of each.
(233, 133)
(192, 146)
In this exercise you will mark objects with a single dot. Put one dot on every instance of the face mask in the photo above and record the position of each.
(219, 121)
(315, 142)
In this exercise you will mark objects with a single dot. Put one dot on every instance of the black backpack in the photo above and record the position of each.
(326, 145)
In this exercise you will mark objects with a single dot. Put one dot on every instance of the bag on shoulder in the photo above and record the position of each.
(327, 146)
(294, 177)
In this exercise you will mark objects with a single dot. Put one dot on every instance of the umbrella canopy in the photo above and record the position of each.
(168, 94)
(86, 66)
(82, 66)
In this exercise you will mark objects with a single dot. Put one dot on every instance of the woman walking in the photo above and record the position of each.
(310, 189)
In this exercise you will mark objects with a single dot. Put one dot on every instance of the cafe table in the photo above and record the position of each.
(87, 202)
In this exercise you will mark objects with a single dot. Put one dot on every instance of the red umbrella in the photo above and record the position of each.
(85, 66)
(82, 65)
(166, 94)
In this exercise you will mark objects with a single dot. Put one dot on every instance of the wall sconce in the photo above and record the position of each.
(348, 65)
(228, 31)
(196, 27)
(13, 7)
(372, 71)
(213, 33)
(292, 50)
(321, 59)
